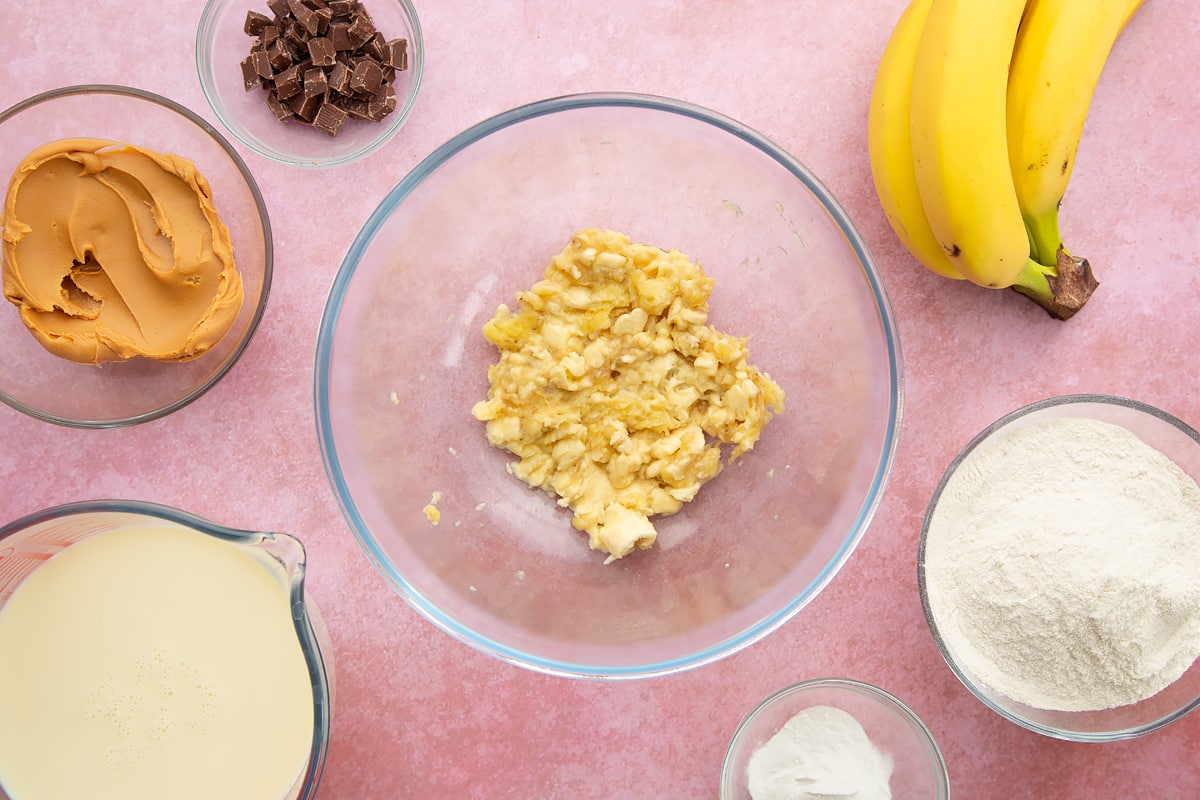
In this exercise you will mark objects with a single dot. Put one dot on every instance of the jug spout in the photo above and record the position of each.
(287, 549)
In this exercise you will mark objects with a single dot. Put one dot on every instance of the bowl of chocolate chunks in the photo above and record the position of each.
(312, 83)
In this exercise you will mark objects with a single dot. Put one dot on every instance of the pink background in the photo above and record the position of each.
(419, 715)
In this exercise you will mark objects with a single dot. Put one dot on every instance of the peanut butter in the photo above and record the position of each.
(113, 251)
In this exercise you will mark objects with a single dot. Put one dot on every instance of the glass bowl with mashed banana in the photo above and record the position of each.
(136, 256)
(608, 386)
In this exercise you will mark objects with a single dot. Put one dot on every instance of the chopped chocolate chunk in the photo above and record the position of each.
(324, 17)
(280, 111)
(255, 22)
(305, 16)
(279, 7)
(296, 43)
(298, 33)
(315, 83)
(279, 56)
(269, 34)
(395, 54)
(341, 8)
(250, 76)
(361, 29)
(339, 78)
(366, 77)
(374, 47)
(383, 89)
(358, 108)
(329, 119)
(261, 61)
(339, 34)
(382, 104)
(320, 49)
(288, 83)
(305, 107)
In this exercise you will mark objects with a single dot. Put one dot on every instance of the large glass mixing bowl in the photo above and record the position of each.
(401, 360)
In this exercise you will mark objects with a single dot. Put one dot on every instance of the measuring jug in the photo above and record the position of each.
(28, 543)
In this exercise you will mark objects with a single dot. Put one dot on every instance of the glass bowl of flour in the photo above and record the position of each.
(1059, 567)
(832, 737)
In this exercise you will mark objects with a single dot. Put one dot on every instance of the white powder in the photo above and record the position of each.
(1062, 566)
(821, 753)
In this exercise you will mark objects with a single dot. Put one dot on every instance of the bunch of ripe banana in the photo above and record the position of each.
(976, 115)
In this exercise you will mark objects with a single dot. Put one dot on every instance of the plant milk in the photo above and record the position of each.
(152, 662)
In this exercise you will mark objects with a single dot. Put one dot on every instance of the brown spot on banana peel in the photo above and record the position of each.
(954, 251)
(1067, 286)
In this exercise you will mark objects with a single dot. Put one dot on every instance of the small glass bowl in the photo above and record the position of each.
(116, 394)
(918, 769)
(1165, 433)
(222, 43)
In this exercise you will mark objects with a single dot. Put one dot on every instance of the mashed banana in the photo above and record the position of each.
(614, 392)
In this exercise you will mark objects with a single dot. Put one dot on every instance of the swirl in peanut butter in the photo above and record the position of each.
(113, 251)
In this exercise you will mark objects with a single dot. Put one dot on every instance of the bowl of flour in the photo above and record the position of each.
(832, 738)
(1059, 567)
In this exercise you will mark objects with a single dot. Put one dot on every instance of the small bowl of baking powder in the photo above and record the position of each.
(832, 737)
(1059, 567)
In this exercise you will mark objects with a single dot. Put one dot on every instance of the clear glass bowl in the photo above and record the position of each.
(918, 770)
(1160, 430)
(43, 385)
(26, 543)
(401, 360)
(222, 43)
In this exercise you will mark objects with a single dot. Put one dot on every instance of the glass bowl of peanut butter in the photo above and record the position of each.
(551, 381)
(137, 256)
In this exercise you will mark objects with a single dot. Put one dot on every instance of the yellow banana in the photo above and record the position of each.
(1061, 48)
(889, 143)
(959, 141)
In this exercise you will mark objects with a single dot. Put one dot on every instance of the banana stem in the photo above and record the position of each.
(1060, 290)
(1044, 239)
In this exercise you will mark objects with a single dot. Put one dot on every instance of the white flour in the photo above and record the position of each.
(1063, 566)
(822, 753)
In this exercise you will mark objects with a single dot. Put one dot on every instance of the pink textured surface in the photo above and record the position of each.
(419, 715)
